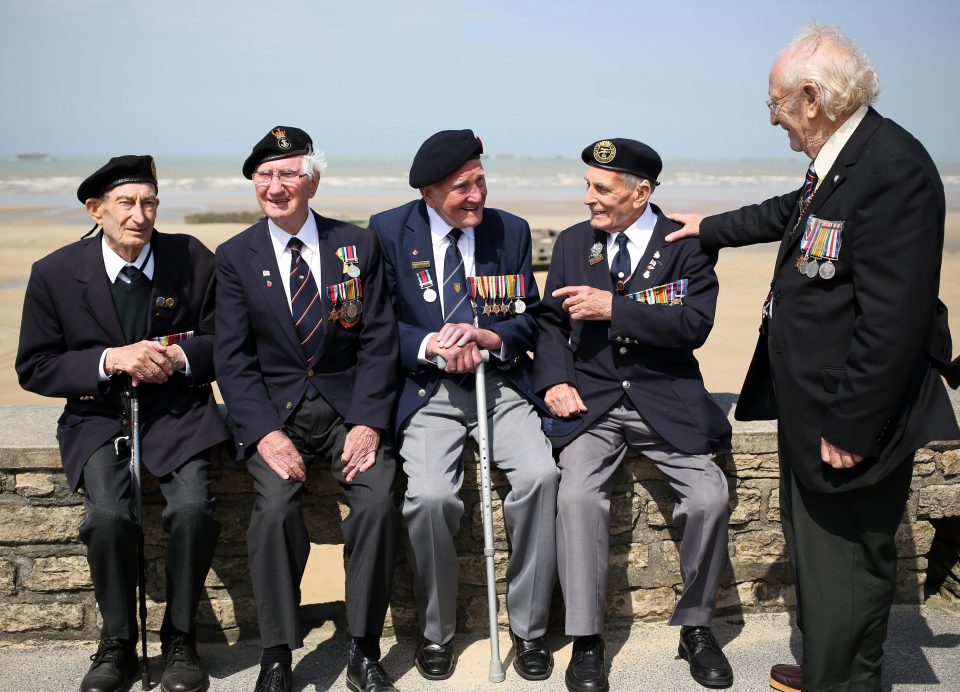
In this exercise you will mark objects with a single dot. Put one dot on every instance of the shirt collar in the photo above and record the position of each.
(308, 234)
(440, 228)
(831, 149)
(640, 231)
(114, 263)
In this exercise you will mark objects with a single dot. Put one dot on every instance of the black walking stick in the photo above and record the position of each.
(133, 422)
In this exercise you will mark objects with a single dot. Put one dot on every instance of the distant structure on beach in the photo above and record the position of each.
(31, 156)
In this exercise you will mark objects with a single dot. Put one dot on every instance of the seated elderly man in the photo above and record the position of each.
(93, 314)
(307, 360)
(461, 281)
(622, 314)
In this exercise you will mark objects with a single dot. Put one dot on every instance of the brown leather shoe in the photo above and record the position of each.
(786, 677)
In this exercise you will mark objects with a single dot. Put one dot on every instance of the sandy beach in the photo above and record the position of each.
(27, 233)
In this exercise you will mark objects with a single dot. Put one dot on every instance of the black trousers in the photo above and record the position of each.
(844, 559)
(111, 535)
(277, 540)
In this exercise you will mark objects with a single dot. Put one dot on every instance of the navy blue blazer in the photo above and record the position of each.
(502, 243)
(261, 369)
(852, 358)
(69, 318)
(645, 352)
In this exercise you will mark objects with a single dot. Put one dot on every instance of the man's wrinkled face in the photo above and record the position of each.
(459, 198)
(285, 197)
(127, 213)
(787, 111)
(613, 205)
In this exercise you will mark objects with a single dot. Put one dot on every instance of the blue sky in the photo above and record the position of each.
(373, 79)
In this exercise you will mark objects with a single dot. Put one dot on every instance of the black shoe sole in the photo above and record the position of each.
(713, 683)
(577, 688)
(202, 688)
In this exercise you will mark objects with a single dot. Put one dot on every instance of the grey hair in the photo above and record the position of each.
(313, 164)
(824, 55)
(634, 181)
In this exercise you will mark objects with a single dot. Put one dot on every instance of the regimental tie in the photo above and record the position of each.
(456, 306)
(306, 307)
(620, 267)
(806, 196)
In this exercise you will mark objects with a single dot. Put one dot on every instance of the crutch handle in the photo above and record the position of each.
(442, 362)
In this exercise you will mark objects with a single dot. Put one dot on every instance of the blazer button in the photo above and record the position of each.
(310, 372)
(623, 350)
(239, 444)
(422, 392)
(289, 405)
(626, 384)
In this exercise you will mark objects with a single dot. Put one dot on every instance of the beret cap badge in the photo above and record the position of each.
(281, 136)
(604, 151)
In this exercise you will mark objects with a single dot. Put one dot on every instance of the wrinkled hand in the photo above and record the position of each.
(359, 450)
(563, 400)
(460, 334)
(279, 454)
(144, 361)
(459, 359)
(586, 302)
(691, 226)
(836, 457)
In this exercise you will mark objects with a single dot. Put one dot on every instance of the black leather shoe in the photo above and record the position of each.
(435, 661)
(587, 671)
(531, 658)
(274, 677)
(114, 667)
(708, 665)
(364, 675)
(182, 671)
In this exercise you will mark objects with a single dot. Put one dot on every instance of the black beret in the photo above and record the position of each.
(442, 154)
(279, 143)
(117, 171)
(625, 156)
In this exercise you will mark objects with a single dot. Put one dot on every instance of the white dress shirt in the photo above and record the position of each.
(830, 150)
(310, 238)
(638, 237)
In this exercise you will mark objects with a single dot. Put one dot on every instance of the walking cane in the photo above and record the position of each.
(133, 421)
(496, 666)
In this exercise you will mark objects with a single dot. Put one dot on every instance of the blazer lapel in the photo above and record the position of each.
(419, 248)
(487, 244)
(263, 264)
(656, 252)
(598, 273)
(95, 290)
(167, 285)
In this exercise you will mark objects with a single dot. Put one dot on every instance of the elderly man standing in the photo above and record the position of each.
(622, 315)
(307, 360)
(844, 359)
(92, 315)
(461, 281)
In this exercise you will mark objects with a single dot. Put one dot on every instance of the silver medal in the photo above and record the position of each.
(811, 268)
(519, 306)
(827, 270)
(429, 295)
(353, 271)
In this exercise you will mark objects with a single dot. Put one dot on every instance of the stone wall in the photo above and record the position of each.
(45, 588)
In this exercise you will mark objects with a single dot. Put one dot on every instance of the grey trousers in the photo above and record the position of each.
(587, 466)
(111, 535)
(431, 450)
(278, 543)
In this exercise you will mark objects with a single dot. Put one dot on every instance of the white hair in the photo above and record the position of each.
(634, 181)
(825, 56)
(313, 164)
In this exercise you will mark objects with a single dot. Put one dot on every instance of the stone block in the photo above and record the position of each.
(8, 578)
(660, 513)
(35, 484)
(747, 507)
(473, 569)
(641, 604)
(66, 573)
(625, 508)
(914, 539)
(230, 573)
(756, 465)
(950, 463)
(626, 566)
(28, 617)
(26, 524)
(939, 501)
(476, 616)
(761, 546)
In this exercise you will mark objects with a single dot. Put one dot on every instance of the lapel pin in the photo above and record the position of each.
(836, 177)
(415, 252)
(266, 272)
(269, 284)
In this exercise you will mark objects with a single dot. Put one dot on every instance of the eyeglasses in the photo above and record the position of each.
(774, 104)
(286, 176)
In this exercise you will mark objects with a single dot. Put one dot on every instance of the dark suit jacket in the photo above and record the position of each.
(69, 318)
(261, 369)
(645, 352)
(849, 357)
(502, 246)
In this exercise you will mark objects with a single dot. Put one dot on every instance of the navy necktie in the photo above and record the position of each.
(620, 267)
(306, 307)
(809, 188)
(130, 273)
(456, 305)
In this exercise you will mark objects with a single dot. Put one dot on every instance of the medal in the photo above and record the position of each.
(429, 295)
(519, 306)
(596, 254)
(827, 270)
(350, 313)
(353, 271)
(810, 268)
(348, 255)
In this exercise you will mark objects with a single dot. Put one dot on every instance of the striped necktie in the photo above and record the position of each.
(306, 307)
(456, 307)
(809, 188)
